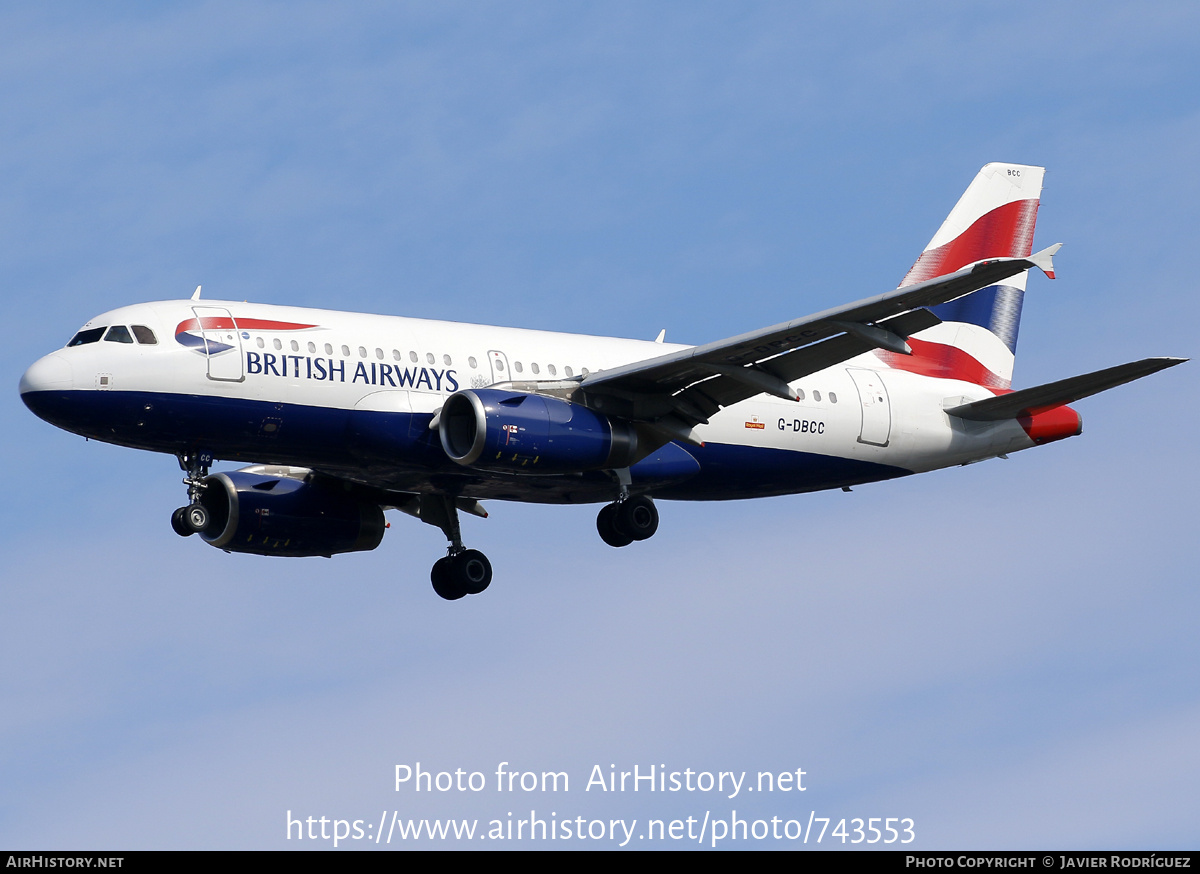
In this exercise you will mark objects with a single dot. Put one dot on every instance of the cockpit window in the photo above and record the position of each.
(91, 335)
(118, 334)
(144, 335)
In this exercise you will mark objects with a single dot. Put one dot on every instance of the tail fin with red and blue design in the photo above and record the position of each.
(977, 339)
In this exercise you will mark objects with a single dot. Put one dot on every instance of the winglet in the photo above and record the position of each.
(1044, 260)
(196, 293)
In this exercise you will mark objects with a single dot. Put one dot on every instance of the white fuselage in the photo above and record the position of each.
(290, 358)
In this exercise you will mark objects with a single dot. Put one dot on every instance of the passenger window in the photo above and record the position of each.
(517, 365)
(429, 359)
(816, 395)
(259, 341)
(378, 353)
(144, 335)
(800, 393)
(345, 351)
(276, 343)
(832, 398)
(534, 367)
(446, 360)
(91, 335)
(118, 334)
(550, 367)
(312, 347)
(328, 349)
(362, 351)
(396, 354)
(499, 364)
(585, 373)
(412, 356)
(568, 371)
(471, 361)
(295, 346)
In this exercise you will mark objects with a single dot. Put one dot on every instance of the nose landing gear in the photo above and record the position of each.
(193, 518)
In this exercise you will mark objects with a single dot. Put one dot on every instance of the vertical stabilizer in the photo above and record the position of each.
(977, 339)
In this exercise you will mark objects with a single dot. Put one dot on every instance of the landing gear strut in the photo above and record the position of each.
(625, 521)
(463, 571)
(195, 517)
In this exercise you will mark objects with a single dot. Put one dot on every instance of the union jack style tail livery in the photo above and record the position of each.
(977, 339)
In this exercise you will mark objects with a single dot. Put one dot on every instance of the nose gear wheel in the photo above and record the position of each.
(193, 518)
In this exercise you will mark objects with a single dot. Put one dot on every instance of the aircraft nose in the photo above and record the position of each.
(50, 373)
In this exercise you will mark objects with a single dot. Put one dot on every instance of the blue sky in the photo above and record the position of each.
(1004, 653)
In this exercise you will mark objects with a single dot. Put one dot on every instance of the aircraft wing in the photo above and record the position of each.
(683, 388)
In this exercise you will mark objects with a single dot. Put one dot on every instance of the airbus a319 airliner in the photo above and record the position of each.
(342, 416)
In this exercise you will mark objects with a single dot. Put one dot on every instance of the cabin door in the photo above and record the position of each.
(222, 343)
(876, 407)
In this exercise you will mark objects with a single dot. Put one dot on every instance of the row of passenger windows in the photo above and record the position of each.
(816, 396)
(430, 358)
(145, 337)
(551, 370)
(116, 334)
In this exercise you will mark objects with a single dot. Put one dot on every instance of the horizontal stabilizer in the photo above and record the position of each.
(1028, 401)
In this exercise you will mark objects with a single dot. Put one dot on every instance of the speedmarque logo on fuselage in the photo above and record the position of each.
(190, 332)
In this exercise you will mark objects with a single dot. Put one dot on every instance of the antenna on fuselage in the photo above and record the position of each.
(196, 293)
(662, 335)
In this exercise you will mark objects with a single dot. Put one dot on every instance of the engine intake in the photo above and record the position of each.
(272, 515)
(493, 429)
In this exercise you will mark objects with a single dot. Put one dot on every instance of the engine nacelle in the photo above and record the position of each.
(279, 515)
(493, 429)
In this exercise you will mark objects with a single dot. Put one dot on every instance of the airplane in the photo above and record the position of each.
(341, 416)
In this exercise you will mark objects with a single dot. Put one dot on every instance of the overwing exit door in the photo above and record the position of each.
(499, 362)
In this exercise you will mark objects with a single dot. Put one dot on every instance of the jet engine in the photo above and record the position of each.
(280, 515)
(509, 431)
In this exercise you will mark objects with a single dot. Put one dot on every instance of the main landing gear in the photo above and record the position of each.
(195, 517)
(627, 520)
(463, 571)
